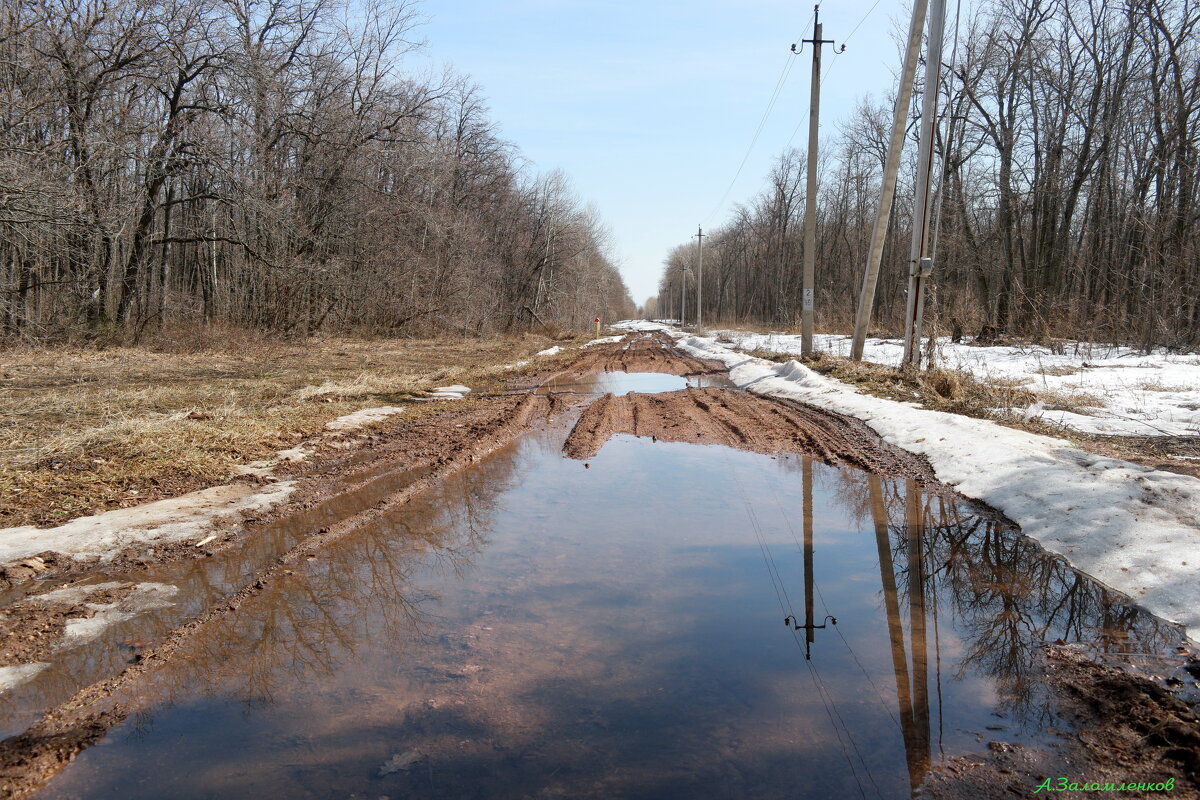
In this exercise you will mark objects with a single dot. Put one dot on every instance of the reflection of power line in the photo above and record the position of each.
(821, 597)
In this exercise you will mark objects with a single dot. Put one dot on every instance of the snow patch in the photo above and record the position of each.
(550, 351)
(102, 536)
(639, 325)
(144, 597)
(1133, 528)
(360, 419)
(11, 677)
(604, 340)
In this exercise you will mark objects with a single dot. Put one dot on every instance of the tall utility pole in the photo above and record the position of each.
(699, 276)
(920, 265)
(810, 201)
(866, 298)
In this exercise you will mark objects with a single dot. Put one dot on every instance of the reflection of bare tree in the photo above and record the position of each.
(1006, 594)
(361, 586)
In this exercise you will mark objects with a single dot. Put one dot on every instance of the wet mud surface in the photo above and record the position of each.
(642, 352)
(741, 420)
(452, 609)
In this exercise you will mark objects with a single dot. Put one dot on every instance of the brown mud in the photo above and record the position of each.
(433, 447)
(743, 421)
(641, 352)
(1127, 730)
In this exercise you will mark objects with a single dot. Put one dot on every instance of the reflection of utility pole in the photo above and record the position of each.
(809, 627)
(912, 696)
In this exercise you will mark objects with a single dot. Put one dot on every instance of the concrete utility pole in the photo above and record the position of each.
(700, 276)
(920, 265)
(866, 298)
(810, 201)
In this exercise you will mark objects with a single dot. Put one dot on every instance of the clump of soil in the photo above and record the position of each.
(1124, 729)
(31, 630)
(740, 420)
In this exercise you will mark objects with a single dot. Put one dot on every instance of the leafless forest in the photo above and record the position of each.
(268, 163)
(1068, 188)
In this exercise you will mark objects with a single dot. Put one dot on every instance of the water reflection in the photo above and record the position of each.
(620, 383)
(529, 626)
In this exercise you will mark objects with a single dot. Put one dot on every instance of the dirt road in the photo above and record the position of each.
(1154, 733)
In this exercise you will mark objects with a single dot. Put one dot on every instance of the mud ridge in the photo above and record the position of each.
(642, 352)
(744, 421)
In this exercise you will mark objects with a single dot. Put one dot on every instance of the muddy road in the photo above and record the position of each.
(627, 578)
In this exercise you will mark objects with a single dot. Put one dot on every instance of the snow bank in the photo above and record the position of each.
(102, 536)
(1135, 393)
(630, 325)
(1133, 528)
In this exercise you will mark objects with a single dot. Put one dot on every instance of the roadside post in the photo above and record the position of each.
(597, 327)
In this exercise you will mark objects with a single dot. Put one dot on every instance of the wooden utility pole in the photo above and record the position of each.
(810, 200)
(866, 298)
(700, 277)
(920, 265)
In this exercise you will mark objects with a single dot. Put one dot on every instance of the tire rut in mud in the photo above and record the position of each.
(643, 352)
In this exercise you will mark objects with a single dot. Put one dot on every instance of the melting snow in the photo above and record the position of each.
(1134, 528)
(360, 419)
(102, 536)
(17, 674)
(1136, 393)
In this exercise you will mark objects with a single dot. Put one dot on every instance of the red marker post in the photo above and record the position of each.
(597, 327)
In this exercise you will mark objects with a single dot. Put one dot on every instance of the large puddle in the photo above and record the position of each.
(541, 627)
(620, 383)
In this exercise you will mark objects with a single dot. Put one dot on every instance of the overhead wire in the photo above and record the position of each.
(784, 73)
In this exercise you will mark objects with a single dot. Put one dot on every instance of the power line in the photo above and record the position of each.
(775, 93)
(834, 60)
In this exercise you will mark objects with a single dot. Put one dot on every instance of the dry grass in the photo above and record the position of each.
(1060, 371)
(1159, 386)
(87, 430)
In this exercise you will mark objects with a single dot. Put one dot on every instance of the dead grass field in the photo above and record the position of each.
(86, 430)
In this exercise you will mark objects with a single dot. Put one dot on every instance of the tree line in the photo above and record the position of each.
(269, 163)
(1067, 189)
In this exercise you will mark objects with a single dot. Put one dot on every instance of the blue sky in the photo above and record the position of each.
(650, 106)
